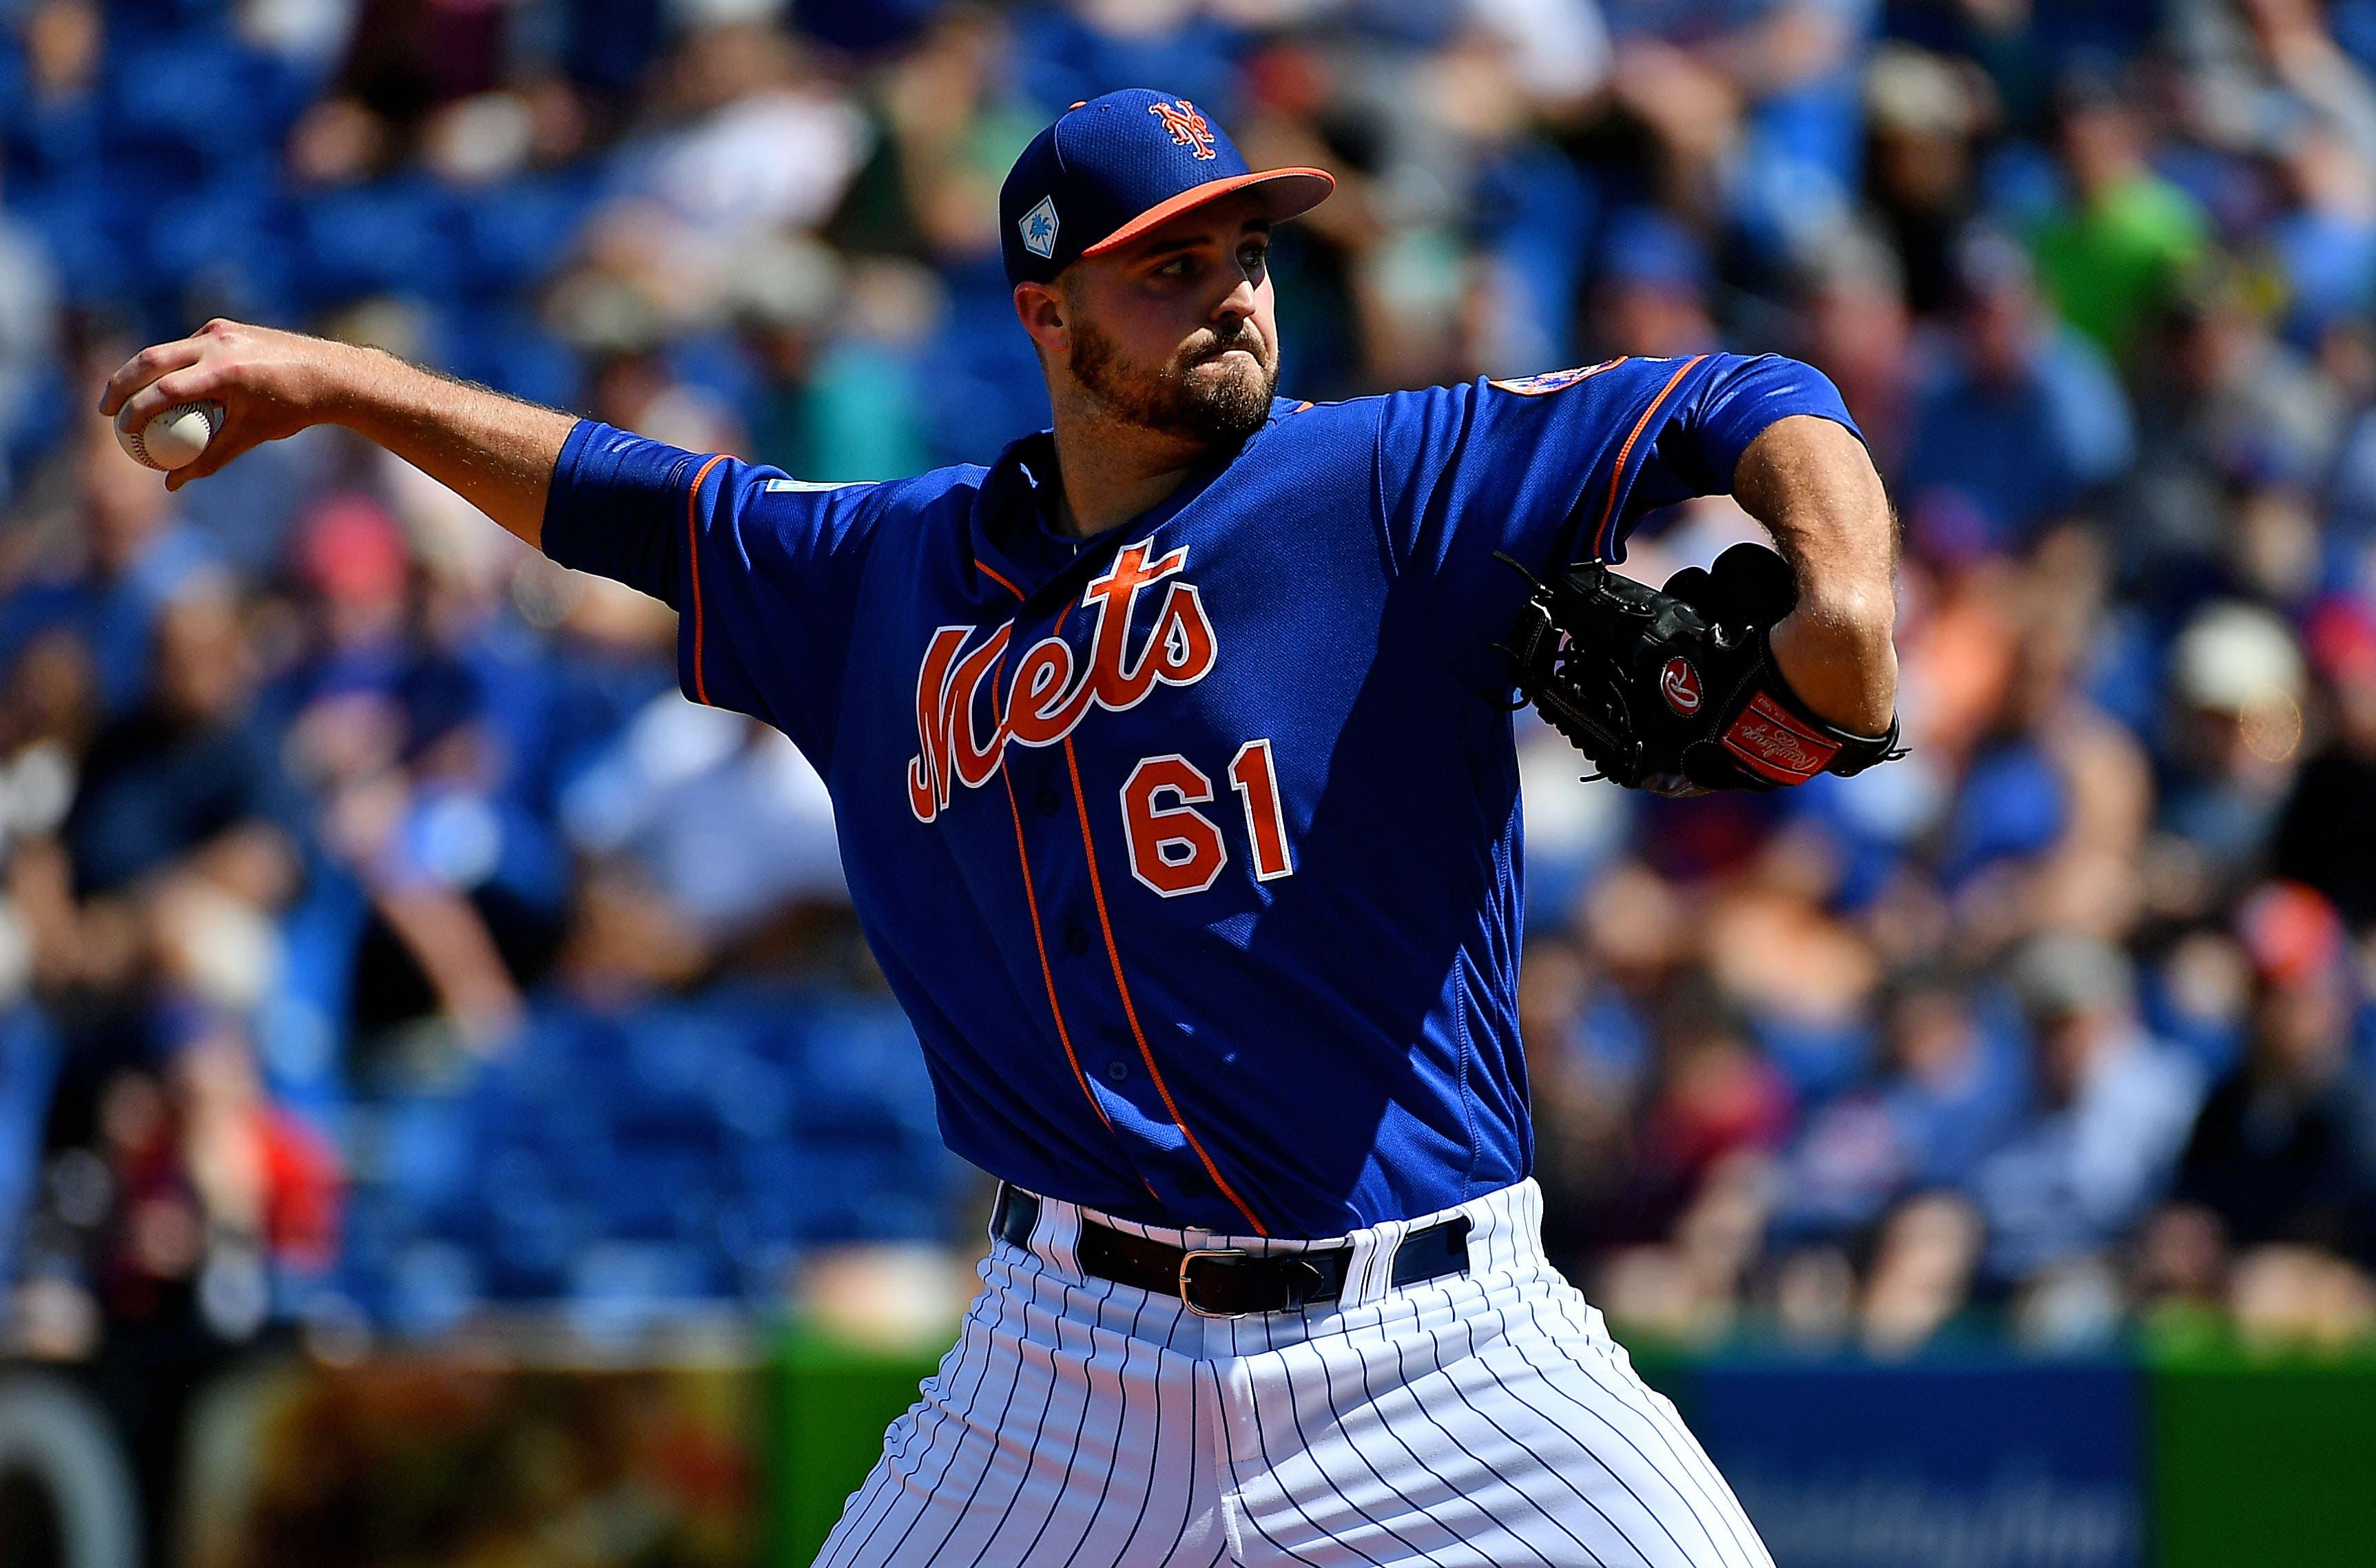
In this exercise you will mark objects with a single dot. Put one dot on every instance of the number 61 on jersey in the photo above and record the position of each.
(1176, 849)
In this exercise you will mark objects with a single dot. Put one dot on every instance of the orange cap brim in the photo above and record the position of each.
(1287, 193)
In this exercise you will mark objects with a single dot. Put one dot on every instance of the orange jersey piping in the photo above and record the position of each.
(693, 568)
(1114, 955)
(1617, 472)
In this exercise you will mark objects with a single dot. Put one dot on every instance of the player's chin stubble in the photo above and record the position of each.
(1210, 410)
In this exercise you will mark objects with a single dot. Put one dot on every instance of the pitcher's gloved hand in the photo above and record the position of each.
(1676, 690)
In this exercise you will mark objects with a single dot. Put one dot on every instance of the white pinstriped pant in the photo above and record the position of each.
(1484, 1420)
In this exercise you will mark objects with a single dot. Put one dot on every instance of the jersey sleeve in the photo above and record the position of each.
(761, 568)
(1553, 469)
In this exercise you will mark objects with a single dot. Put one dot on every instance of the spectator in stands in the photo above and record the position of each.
(267, 1184)
(46, 718)
(28, 343)
(1948, 1092)
(1924, 116)
(2109, 258)
(701, 830)
(2022, 423)
(110, 577)
(1717, 1096)
(1921, 1280)
(1753, 105)
(1586, 1051)
(2351, 488)
(2326, 838)
(2287, 49)
(952, 110)
(765, 142)
(55, 122)
(200, 1201)
(2238, 689)
(189, 782)
(2325, 246)
(1652, 297)
(2050, 815)
(2220, 400)
(179, 852)
(2112, 1106)
(1852, 296)
(2284, 1150)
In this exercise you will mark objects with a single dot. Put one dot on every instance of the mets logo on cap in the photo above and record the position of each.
(1186, 124)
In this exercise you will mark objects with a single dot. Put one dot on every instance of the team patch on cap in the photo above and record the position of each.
(1039, 227)
(1553, 380)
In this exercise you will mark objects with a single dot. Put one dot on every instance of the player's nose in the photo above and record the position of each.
(1237, 304)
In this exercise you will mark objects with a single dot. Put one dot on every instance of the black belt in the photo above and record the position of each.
(1230, 1281)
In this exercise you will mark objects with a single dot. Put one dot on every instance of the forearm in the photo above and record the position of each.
(1813, 485)
(495, 452)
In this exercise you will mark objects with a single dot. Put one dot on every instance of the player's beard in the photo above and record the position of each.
(1212, 411)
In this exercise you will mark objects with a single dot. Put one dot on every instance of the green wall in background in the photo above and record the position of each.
(2256, 1462)
(831, 1407)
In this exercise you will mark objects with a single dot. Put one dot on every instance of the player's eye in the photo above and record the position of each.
(1255, 257)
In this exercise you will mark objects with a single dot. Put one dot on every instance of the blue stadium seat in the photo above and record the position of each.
(534, 1227)
(864, 1070)
(140, 17)
(225, 241)
(715, 362)
(93, 267)
(54, 148)
(202, 97)
(1820, 1060)
(616, 1289)
(753, 1097)
(426, 1157)
(510, 236)
(433, 1286)
(704, 1144)
(28, 1062)
(1061, 58)
(501, 344)
(382, 238)
(670, 1194)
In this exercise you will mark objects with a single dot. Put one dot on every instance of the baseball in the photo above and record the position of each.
(175, 438)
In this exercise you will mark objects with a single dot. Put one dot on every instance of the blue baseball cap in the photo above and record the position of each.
(1112, 168)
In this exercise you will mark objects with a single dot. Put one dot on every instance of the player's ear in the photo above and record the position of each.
(1040, 308)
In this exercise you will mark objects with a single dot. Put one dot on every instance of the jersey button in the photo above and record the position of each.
(1047, 800)
(1117, 1071)
(1076, 941)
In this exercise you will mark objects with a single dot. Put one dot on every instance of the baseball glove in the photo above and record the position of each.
(1675, 691)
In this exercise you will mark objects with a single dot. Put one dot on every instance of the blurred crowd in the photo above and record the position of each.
(317, 792)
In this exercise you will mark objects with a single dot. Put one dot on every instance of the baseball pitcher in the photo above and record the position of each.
(1176, 787)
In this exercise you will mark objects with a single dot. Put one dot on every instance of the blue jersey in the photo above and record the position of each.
(1192, 850)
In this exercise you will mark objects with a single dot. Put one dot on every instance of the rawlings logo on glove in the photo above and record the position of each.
(1590, 650)
(1680, 686)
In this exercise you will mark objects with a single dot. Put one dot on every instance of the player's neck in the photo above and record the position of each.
(1110, 471)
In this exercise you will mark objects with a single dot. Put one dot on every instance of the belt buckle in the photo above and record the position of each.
(1188, 1259)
